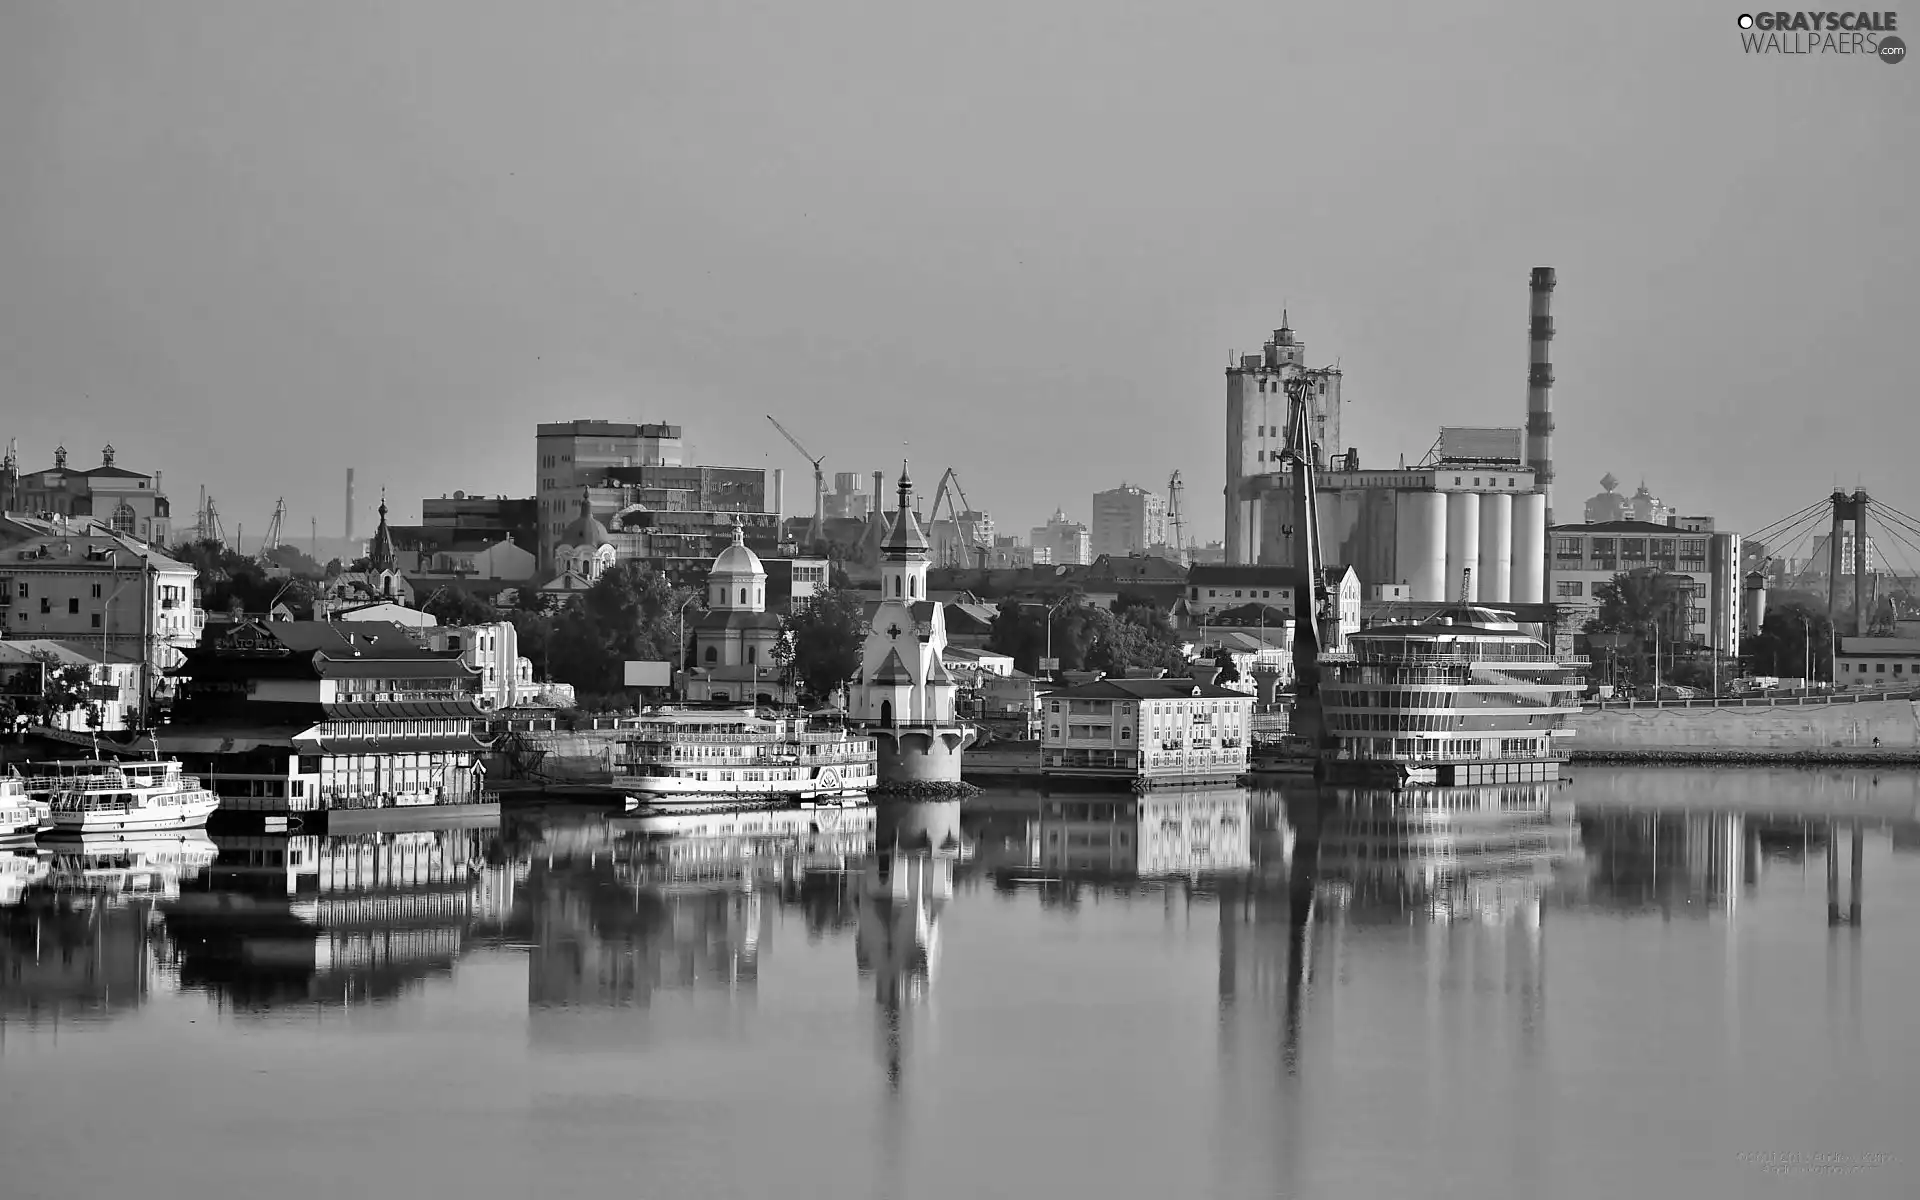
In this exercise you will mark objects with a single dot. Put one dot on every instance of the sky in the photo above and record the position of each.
(254, 243)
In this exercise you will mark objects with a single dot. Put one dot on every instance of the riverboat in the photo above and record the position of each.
(22, 818)
(93, 796)
(707, 756)
(1464, 697)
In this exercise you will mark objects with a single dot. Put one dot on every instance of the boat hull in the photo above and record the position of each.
(1365, 772)
(189, 814)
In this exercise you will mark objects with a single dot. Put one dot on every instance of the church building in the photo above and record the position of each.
(903, 685)
(582, 552)
(734, 640)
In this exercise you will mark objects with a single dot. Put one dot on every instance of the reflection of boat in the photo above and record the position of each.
(708, 756)
(20, 869)
(91, 796)
(1282, 756)
(21, 816)
(1461, 698)
(128, 864)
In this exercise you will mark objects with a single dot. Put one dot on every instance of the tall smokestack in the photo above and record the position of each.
(349, 503)
(780, 493)
(877, 504)
(1540, 387)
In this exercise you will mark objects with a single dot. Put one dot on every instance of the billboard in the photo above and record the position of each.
(648, 674)
(1461, 443)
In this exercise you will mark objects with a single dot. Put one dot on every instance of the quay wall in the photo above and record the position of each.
(1713, 731)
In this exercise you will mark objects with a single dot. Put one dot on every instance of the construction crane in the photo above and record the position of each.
(817, 530)
(272, 540)
(1176, 518)
(1316, 623)
(973, 550)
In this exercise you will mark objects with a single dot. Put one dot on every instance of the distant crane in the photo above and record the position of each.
(272, 541)
(971, 547)
(817, 529)
(208, 527)
(1176, 518)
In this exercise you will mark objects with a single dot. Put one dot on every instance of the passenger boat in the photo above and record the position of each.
(706, 756)
(22, 818)
(1464, 697)
(1283, 756)
(92, 796)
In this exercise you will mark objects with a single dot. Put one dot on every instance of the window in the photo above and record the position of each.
(96, 620)
(1693, 548)
(1567, 547)
(752, 654)
(1880, 668)
(713, 654)
(1603, 547)
(73, 605)
(1632, 548)
(96, 591)
(1568, 587)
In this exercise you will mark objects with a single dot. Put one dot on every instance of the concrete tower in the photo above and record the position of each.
(1256, 434)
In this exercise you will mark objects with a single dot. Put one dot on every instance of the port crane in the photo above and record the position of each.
(1315, 621)
(816, 530)
(971, 549)
(1176, 518)
(272, 540)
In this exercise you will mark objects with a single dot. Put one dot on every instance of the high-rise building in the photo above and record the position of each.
(1256, 435)
(846, 501)
(1128, 520)
(572, 454)
(1061, 542)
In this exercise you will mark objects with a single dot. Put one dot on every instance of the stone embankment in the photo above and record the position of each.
(1856, 729)
(1708, 755)
(1003, 761)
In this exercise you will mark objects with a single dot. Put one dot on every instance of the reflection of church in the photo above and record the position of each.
(907, 883)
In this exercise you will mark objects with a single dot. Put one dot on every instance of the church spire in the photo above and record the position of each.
(380, 556)
(906, 540)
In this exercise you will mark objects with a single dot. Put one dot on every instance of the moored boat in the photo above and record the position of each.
(92, 796)
(22, 817)
(710, 757)
(1464, 697)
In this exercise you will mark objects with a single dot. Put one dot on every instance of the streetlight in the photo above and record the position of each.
(1051, 609)
(680, 641)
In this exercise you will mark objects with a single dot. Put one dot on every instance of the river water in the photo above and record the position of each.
(1650, 982)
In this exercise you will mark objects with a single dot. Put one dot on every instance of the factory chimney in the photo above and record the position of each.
(1540, 387)
(349, 503)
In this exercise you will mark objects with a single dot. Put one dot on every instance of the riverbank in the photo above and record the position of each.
(1836, 756)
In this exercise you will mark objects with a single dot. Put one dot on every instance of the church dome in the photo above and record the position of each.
(737, 559)
(585, 529)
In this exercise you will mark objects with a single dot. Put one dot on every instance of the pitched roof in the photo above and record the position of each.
(1216, 574)
(21, 651)
(1146, 689)
(737, 620)
(893, 670)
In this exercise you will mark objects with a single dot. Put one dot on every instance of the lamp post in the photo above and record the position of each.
(1051, 609)
(680, 640)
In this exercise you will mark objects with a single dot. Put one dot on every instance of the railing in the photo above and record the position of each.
(1490, 653)
(106, 779)
(1796, 700)
(644, 736)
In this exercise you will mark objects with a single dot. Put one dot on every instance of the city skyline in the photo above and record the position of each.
(354, 234)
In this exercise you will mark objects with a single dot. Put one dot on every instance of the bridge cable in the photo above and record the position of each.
(1792, 518)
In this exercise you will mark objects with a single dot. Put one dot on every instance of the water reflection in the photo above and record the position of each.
(355, 919)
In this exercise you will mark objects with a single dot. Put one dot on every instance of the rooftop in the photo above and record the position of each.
(1147, 689)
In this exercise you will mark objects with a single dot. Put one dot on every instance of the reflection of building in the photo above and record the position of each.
(61, 955)
(335, 920)
(1692, 860)
(1166, 833)
(908, 881)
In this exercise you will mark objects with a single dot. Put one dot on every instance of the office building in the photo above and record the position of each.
(1128, 520)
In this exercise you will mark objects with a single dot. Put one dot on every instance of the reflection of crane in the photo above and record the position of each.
(817, 530)
(272, 541)
(1176, 518)
(972, 549)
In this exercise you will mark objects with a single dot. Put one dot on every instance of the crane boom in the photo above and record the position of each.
(1314, 619)
(817, 529)
(972, 548)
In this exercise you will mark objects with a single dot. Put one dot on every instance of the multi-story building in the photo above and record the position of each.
(1609, 505)
(74, 579)
(1819, 560)
(1061, 542)
(1009, 553)
(1256, 435)
(303, 716)
(125, 501)
(492, 651)
(110, 701)
(1127, 520)
(1877, 661)
(1215, 589)
(846, 501)
(1704, 564)
(1151, 729)
(572, 454)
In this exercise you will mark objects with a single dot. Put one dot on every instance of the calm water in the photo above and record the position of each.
(1627, 984)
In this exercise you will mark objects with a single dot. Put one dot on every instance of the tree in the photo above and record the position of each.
(630, 613)
(823, 639)
(1786, 636)
(1229, 672)
(1138, 638)
(64, 689)
(292, 558)
(1650, 606)
(452, 606)
(1250, 614)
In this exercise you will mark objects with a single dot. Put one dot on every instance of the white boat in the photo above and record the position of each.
(713, 756)
(20, 868)
(22, 817)
(92, 796)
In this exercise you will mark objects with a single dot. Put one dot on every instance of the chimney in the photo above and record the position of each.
(349, 503)
(779, 492)
(1540, 386)
(878, 503)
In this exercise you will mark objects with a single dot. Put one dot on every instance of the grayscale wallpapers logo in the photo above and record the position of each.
(1866, 34)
